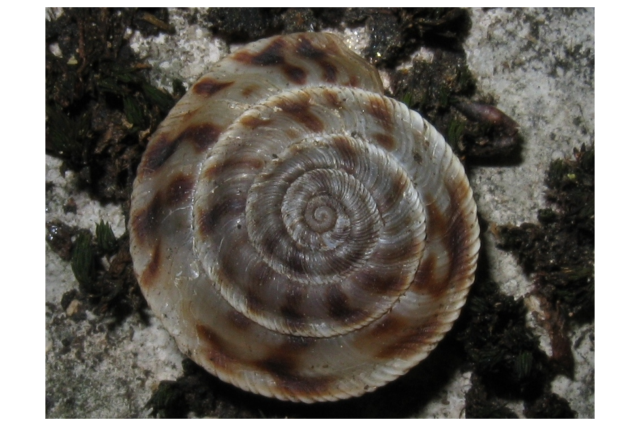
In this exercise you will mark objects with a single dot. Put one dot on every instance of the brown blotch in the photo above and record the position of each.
(297, 343)
(454, 242)
(388, 142)
(410, 341)
(145, 222)
(296, 261)
(254, 303)
(252, 122)
(348, 153)
(456, 235)
(202, 136)
(260, 273)
(238, 162)
(308, 51)
(271, 243)
(337, 305)
(457, 243)
(158, 154)
(238, 320)
(290, 311)
(286, 373)
(417, 157)
(227, 204)
(354, 81)
(212, 172)
(379, 109)
(295, 74)
(388, 326)
(300, 111)
(330, 72)
(209, 86)
(271, 55)
(332, 98)
(153, 267)
(217, 352)
(380, 283)
(389, 198)
(292, 133)
(425, 280)
(249, 90)
(179, 190)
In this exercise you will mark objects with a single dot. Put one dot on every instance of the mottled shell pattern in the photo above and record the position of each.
(299, 234)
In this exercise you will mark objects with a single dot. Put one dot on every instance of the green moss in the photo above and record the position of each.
(83, 260)
(105, 238)
(455, 131)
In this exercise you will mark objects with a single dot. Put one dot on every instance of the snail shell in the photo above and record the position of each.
(300, 235)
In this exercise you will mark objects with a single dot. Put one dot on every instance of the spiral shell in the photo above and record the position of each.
(299, 234)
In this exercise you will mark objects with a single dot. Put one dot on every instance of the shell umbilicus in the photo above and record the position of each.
(299, 234)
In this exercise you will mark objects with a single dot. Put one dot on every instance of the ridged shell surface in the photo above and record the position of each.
(299, 234)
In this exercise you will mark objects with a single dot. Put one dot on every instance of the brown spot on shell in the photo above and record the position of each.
(295, 261)
(457, 243)
(338, 306)
(238, 320)
(158, 152)
(223, 206)
(290, 311)
(211, 172)
(440, 223)
(332, 99)
(285, 372)
(409, 341)
(252, 122)
(153, 267)
(145, 222)
(379, 282)
(417, 157)
(202, 135)
(389, 325)
(249, 90)
(209, 86)
(378, 108)
(425, 280)
(300, 111)
(217, 352)
(307, 50)
(348, 153)
(179, 190)
(238, 162)
(295, 74)
(254, 302)
(386, 141)
(270, 55)
(330, 72)
(354, 81)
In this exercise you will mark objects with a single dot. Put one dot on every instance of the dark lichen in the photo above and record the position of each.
(500, 347)
(480, 404)
(100, 107)
(549, 406)
(559, 250)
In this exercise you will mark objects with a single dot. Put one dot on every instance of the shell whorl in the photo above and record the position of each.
(299, 234)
